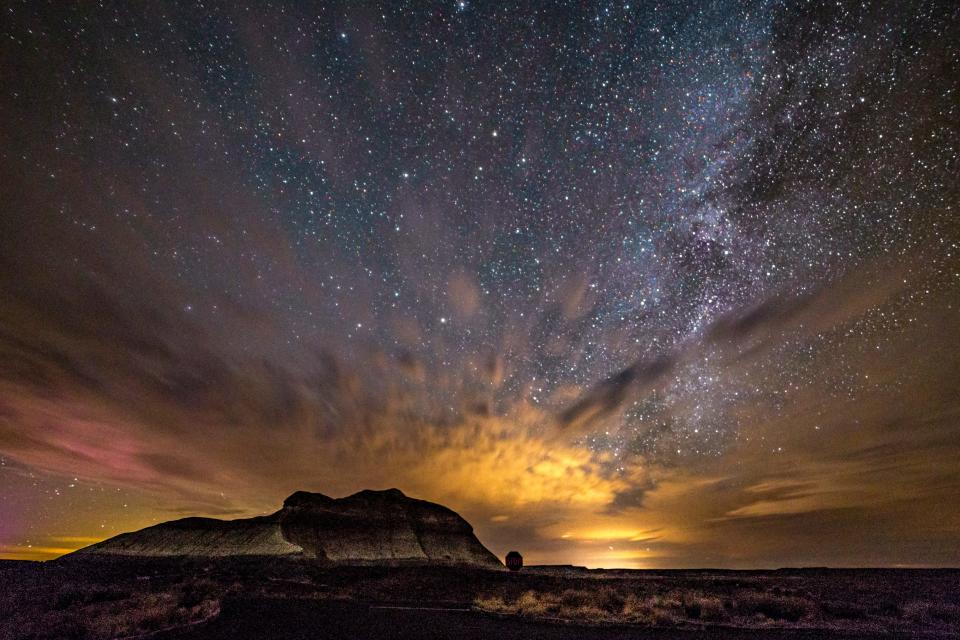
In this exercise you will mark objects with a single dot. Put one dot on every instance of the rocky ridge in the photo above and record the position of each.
(369, 527)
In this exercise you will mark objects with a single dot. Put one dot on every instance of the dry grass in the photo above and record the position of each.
(99, 613)
(94, 601)
(572, 604)
(610, 604)
(932, 613)
(758, 607)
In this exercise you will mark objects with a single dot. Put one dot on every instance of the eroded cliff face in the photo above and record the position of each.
(379, 525)
(367, 527)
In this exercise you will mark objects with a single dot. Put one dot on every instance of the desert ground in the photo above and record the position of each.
(261, 598)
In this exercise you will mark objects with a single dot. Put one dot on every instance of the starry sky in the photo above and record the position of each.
(626, 284)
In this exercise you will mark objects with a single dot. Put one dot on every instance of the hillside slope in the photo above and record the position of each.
(366, 527)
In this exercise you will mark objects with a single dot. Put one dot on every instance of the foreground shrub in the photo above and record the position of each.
(654, 611)
(706, 608)
(609, 599)
(531, 604)
(786, 608)
(932, 613)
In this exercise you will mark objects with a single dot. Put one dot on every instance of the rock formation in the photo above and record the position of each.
(369, 527)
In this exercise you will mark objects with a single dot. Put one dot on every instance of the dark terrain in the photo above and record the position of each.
(84, 597)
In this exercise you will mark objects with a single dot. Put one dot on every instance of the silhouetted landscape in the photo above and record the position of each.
(292, 598)
(381, 564)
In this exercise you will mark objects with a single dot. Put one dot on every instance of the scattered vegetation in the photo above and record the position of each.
(82, 610)
(932, 613)
(131, 617)
(607, 604)
(740, 603)
(135, 599)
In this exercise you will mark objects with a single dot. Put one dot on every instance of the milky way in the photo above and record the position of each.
(615, 280)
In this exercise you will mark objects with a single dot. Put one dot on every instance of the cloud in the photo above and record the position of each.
(746, 336)
(609, 395)
(165, 411)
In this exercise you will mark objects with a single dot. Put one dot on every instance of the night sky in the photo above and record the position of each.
(626, 284)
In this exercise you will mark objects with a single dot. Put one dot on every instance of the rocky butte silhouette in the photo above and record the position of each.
(368, 527)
